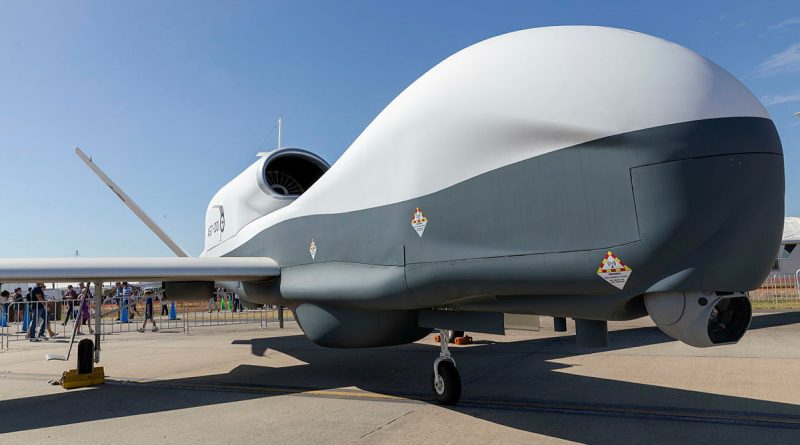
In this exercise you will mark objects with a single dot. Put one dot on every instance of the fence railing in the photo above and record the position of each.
(778, 288)
(16, 319)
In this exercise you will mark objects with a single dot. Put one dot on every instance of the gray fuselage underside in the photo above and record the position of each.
(690, 206)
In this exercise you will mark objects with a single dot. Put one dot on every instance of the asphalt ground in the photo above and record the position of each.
(243, 384)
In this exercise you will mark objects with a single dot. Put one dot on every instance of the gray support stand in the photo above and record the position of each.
(559, 324)
(280, 317)
(591, 333)
(98, 313)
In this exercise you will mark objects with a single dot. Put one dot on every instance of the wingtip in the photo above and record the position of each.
(81, 154)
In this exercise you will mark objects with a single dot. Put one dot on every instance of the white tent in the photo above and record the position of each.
(788, 258)
(791, 229)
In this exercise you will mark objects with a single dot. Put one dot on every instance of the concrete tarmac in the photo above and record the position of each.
(243, 384)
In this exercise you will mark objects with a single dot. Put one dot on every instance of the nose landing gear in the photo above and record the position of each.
(445, 381)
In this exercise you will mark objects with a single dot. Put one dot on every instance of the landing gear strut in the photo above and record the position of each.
(452, 335)
(445, 381)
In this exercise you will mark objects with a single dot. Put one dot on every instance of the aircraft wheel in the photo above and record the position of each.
(85, 352)
(451, 335)
(447, 386)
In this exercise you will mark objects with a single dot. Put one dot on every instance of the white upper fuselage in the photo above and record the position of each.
(504, 100)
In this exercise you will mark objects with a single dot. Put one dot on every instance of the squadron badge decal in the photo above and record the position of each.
(419, 221)
(613, 270)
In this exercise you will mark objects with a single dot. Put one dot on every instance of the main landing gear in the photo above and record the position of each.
(445, 381)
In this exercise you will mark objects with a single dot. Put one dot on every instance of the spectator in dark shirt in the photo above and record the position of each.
(38, 313)
(148, 311)
(69, 297)
(164, 309)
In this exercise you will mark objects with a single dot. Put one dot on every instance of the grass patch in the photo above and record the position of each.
(785, 305)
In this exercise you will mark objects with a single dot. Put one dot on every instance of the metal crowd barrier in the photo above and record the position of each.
(16, 317)
(14, 324)
(778, 288)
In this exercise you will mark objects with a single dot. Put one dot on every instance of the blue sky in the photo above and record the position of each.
(173, 99)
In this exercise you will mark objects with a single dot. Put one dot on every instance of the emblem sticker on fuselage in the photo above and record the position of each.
(419, 221)
(613, 270)
(312, 249)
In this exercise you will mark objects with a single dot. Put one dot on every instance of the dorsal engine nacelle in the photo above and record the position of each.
(274, 181)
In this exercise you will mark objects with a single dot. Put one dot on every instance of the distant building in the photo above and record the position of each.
(788, 260)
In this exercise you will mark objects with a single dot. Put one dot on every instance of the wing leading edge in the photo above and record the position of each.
(138, 269)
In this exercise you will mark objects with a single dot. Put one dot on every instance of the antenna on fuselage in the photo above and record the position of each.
(280, 139)
(280, 127)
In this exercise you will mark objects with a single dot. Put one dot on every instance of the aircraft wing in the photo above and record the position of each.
(138, 269)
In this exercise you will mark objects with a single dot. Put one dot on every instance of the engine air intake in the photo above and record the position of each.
(290, 172)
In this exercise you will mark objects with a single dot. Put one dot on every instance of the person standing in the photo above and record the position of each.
(69, 298)
(19, 301)
(118, 298)
(84, 314)
(148, 311)
(164, 308)
(47, 316)
(5, 296)
(237, 307)
(29, 306)
(127, 299)
(38, 314)
(137, 295)
(81, 288)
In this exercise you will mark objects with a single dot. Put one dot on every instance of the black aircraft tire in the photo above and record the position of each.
(450, 391)
(85, 356)
(452, 335)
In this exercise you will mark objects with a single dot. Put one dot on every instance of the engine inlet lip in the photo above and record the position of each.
(264, 185)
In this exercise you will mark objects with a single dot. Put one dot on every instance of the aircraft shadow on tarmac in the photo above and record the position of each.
(516, 384)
